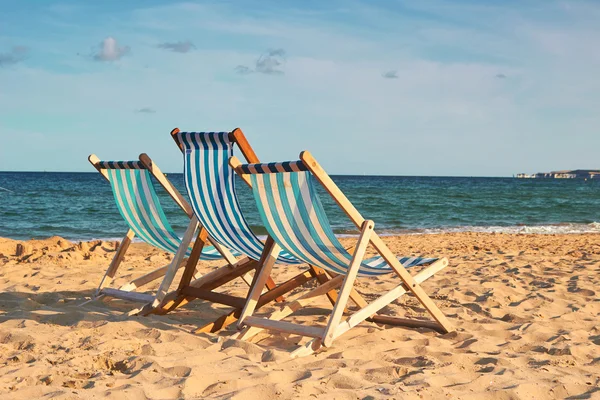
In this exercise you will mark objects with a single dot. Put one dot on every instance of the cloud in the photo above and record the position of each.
(271, 62)
(109, 50)
(393, 74)
(277, 53)
(146, 110)
(177, 47)
(243, 70)
(501, 76)
(15, 55)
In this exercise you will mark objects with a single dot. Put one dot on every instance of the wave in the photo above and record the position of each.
(563, 228)
(549, 229)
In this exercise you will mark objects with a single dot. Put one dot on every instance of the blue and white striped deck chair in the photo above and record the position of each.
(138, 203)
(291, 210)
(210, 183)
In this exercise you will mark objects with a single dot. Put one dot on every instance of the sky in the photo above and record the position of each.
(461, 88)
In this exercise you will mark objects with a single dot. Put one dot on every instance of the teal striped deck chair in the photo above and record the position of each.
(291, 210)
(210, 185)
(137, 201)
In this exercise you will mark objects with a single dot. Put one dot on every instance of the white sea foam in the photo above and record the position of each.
(566, 228)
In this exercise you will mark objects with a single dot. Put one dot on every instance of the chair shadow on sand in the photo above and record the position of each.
(72, 308)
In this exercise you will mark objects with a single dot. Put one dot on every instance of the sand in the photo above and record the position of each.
(526, 309)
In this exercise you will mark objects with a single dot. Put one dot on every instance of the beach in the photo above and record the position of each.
(525, 308)
(436, 164)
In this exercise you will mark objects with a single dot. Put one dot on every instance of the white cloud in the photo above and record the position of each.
(109, 50)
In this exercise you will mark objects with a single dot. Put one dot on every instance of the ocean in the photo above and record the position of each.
(80, 206)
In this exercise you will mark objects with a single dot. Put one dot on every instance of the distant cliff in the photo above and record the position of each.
(567, 174)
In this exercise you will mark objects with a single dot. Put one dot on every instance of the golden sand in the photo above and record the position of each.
(526, 309)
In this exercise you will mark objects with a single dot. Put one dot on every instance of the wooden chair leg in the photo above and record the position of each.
(177, 259)
(116, 261)
(346, 289)
(265, 266)
(190, 267)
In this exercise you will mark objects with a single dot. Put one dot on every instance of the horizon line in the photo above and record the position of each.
(333, 174)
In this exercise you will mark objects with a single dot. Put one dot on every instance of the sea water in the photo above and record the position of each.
(80, 206)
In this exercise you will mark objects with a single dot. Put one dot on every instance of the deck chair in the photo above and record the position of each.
(210, 185)
(138, 204)
(291, 210)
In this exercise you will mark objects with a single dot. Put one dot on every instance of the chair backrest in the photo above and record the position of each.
(210, 183)
(292, 212)
(140, 207)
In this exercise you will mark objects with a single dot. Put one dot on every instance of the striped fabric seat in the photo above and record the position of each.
(293, 214)
(210, 185)
(139, 206)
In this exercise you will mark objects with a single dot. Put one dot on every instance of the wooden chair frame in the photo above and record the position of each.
(336, 326)
(126, 291)
(202, 288)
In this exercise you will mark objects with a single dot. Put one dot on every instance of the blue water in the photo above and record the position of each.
(80, 206)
